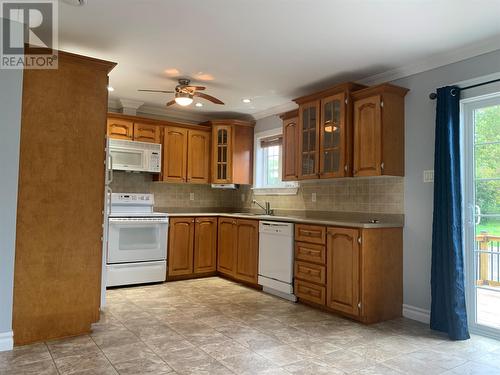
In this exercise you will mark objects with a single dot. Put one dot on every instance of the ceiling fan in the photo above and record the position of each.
(184, 93)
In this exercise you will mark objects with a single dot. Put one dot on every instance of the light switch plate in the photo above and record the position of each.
(429, 175)
(242, 197)
(191, 196)
(313, 197)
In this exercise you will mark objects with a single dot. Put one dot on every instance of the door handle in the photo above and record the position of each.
(477, 212)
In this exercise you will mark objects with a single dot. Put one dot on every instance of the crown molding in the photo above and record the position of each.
(434, 61)
(282, 108)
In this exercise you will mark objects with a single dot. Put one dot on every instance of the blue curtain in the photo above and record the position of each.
(448, 311)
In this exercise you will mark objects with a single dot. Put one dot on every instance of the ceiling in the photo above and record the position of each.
(270, 51)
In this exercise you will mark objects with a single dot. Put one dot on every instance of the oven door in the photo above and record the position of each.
(137, 239)
(128, 159)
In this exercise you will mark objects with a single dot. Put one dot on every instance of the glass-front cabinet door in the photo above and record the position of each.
(332, 138)
(222, 156)
(309, 140)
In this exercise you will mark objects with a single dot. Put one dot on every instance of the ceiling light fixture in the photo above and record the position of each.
(111, 89)
(183, 99)
(246, 100)
(199, 105)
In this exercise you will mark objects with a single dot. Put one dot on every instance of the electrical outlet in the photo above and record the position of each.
(242, 197)
(191, 196)
(313, 197)
(429, 175)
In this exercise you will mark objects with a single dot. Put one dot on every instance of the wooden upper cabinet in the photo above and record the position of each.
(222, 154)
(325, 132)
(198, 157)
(247, 253)
(205, 245)
(226, 247)
(146, 133)
(232, 152)
(333, 139)
(120, 129)
(343, 265)
(290, 146)
(175, 145)
(379, 131)
(180, 246)
(309, 140)
(367, 137)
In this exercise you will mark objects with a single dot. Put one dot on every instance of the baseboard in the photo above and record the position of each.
(416, 313)
(6, 341)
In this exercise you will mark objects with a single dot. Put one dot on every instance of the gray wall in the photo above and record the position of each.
(10, 126)
(419, 146)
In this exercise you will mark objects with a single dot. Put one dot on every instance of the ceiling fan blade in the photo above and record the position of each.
(208, 97)
(162, 91)
(198, 88)
(170, 103)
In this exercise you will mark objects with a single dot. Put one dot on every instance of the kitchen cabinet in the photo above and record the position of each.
(192, 246)
(146, 133)
(198, 157)
(232, 152)
(247, 250)
(121, 127)
(238, 249)
(205, 245)
(364, 273)
(226, 246)
(175, 145)
(309, 140)
(290, 165)
(343, 262)
(356, 272)
(180, 246)
(379, 131)
(310, 263)
(186, 155)
(325, 133)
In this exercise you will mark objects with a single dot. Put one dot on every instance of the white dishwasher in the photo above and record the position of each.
(276, 258)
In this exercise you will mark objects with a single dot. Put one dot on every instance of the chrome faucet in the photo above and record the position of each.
(267, 209)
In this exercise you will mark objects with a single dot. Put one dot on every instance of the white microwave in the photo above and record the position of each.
(135, 156)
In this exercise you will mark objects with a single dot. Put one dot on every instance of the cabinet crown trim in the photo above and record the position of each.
(343, 87)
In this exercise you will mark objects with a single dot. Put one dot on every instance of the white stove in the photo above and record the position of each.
(137, 241)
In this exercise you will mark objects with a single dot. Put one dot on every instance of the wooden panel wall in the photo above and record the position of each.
(61, 190)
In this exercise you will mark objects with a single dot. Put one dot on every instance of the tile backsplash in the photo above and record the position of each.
(371, 194)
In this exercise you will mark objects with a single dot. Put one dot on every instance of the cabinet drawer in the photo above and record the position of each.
(310, 252)
(310, 292)
(310, 272)
(310, 233)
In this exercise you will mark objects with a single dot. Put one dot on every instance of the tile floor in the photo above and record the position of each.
(213, 326)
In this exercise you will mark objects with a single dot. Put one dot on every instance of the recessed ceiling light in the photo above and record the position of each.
(110, 89)
(199, 105)
(246, 100)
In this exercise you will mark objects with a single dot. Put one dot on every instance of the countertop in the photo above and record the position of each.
(344, 219)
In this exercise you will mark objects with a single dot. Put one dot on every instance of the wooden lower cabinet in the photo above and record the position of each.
(238, 249)
(343, 262)
(180, 246)
(360, 276)
(192, 246)
(247, 250)
(205, 245)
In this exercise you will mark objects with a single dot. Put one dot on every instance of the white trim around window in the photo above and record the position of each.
(260, 187)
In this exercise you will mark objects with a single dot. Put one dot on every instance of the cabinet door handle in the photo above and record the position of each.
(382, 166)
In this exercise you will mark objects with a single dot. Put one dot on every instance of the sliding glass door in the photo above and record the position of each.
(481, 181)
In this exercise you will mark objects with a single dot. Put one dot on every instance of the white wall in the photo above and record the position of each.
(419, 156)
(10, 126)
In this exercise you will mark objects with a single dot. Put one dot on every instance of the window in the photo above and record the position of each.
(268, 151)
